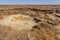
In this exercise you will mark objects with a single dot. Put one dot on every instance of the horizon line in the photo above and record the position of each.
(29, 4)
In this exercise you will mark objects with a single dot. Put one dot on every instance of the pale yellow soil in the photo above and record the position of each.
(18, 21)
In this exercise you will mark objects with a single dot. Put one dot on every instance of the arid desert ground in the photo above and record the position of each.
(29, 22)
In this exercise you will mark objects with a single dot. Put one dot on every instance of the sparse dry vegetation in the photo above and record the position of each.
(47, 19)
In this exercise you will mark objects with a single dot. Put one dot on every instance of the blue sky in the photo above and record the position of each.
(29, 1)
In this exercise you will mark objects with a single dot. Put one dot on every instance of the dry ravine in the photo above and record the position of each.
(29, 22)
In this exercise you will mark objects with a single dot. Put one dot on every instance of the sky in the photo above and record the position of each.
(29, 2)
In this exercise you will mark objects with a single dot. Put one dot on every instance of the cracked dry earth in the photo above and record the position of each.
(29, 25)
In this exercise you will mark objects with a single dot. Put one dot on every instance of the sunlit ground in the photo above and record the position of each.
(18, 21)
